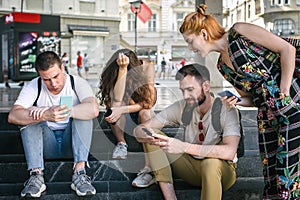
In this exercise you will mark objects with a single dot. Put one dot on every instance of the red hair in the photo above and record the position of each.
(196, 21)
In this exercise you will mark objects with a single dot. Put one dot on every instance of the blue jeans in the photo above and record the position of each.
(41, 142)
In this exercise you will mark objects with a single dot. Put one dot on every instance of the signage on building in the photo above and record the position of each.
(22, 17)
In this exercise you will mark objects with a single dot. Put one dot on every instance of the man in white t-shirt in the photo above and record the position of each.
(51, 130)
(203, 159)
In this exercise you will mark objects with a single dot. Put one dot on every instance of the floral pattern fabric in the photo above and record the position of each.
(258, 71)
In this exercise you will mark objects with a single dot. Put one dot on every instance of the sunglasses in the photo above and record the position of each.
(201, 135)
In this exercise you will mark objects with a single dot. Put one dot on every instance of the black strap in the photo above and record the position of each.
(39, 91)
(215, 116)
(40, 88)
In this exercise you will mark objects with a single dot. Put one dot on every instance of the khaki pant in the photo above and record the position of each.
(212, 175)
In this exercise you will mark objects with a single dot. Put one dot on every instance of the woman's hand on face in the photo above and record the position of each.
(123, 61)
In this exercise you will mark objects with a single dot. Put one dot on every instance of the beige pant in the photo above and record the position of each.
(212, 175)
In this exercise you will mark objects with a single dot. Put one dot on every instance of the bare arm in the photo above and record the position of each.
(87, 109)
(119, 88)
(225, 151)
(22, 116)
(270, 41)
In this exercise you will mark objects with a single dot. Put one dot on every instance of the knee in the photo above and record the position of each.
(32, 128)
(211, 167)
(144, 115)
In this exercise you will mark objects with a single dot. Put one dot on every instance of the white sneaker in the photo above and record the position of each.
(144, 178)
(120, 151)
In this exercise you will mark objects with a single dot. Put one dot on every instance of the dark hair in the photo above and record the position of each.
(196, 70)
(137, 86)
(46, 60)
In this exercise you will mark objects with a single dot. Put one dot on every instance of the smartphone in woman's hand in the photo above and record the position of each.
(228, 94)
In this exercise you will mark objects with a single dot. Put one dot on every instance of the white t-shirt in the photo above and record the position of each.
(229, 123)
(29, 94)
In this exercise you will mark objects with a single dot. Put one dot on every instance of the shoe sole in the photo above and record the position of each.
(119, 157)
(143, 186)
(37, 195)
(89, 193)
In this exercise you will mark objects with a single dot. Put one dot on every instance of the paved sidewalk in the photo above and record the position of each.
(167, 91)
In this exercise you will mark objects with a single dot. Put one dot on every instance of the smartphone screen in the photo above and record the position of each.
(228, 94)
(66, 100)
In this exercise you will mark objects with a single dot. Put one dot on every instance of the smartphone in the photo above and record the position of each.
(228, 94)
(148, 132)
(66, 100)
(108, 113)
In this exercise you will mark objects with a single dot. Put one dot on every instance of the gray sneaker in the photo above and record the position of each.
(120, 151)
(34, 186)
(81, 183)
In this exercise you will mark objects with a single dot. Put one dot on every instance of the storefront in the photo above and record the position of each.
(23, 37)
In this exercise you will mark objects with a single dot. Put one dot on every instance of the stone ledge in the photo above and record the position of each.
(244, 188)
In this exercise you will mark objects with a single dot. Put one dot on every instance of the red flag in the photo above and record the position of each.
(143, 12)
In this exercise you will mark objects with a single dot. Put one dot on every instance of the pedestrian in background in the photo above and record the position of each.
(163, 68)
(65, 61)
(79, 63)
(86, 65)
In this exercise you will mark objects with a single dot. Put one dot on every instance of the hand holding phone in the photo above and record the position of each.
(108, 113)
(229, 94)
(148, 132)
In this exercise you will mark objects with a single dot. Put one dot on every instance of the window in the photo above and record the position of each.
(286, 2)
(249, 11)
(272, 2)
(279, 2)
(284, 27)
(130, 18)
(180, 18)
(34, 5)
(298, 2)
(87, 6)
(152, 24)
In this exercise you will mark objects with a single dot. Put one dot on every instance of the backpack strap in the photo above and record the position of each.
(216, 116)
(72, 83)
(39, 91)
(40, 88)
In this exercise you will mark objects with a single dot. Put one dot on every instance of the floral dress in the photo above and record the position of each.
(257, 71)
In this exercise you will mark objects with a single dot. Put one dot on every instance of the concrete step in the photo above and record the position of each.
(244, 188)
(112, 178)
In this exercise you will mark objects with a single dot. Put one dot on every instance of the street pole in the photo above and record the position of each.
(135, 9)
(135, 31)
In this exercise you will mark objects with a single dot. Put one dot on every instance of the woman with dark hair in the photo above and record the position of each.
(265, 70)
(127, 87)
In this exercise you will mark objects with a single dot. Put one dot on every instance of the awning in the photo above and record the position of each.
(88, 30)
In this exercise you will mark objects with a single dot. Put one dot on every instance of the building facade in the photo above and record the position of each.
(89, 26)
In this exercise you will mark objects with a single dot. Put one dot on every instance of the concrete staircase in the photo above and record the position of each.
(112, 178)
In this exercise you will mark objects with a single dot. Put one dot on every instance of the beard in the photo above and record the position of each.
(196, 102)
(201, 99)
